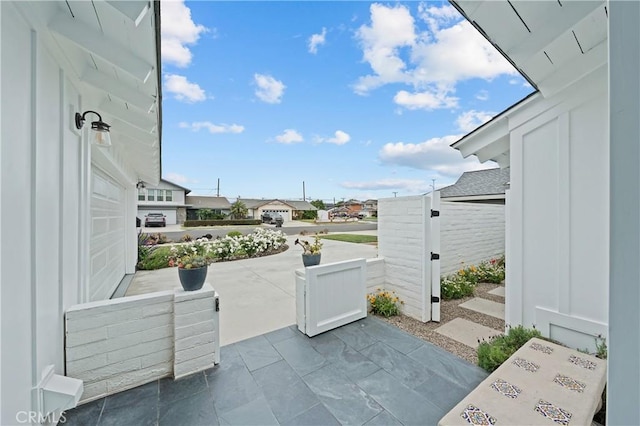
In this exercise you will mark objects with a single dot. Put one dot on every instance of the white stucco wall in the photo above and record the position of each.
(559, 215)
(119, 344)
(469, 234)
(401, 242)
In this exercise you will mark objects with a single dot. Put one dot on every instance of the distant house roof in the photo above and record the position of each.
(186, 190)
(202, 202)
(295, 205)
(477, 183)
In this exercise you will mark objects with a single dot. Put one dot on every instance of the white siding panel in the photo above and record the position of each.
(107, 235)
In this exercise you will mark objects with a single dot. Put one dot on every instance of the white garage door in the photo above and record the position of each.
(171, 215)
(286, 214)
(107, 250)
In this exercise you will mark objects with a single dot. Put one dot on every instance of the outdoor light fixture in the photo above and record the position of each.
(99, 129)
(140, 185)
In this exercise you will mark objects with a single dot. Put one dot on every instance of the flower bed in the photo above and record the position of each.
(463, 283)
(260, 242)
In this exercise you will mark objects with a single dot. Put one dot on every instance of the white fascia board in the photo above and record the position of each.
(474, 197)
(96, 43)
(493, 132)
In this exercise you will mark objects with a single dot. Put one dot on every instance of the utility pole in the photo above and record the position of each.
(304, 196)
(218, 189)
(433, 185)
(395, 193)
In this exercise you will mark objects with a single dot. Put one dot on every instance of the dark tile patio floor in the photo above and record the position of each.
(365, 373)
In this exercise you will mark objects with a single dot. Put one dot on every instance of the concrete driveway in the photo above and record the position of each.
(256, 295)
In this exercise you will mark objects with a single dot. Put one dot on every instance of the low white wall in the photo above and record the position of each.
(118, 344)
(375, 274)
(469, 234)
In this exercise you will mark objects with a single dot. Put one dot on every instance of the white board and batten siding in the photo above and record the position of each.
(107, 235)
(558, 262)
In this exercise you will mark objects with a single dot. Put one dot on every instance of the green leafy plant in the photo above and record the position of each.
(491, 271)
(601, 347)
(238, 210)
(157, 258)
(492, 353)
(384, 303)
(310, 248)
(234, 234)
(194, 254)
(456, 287)
(205, 214)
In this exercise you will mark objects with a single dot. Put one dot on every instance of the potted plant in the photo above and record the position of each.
(311, 254)
(192, 259)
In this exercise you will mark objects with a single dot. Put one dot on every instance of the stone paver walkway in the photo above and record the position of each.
(367, 372)
(484, 306)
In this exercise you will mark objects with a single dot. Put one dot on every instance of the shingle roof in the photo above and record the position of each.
(202, 202)
(479, 182)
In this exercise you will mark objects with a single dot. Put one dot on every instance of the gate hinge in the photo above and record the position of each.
(435, 256)
(435, 299)
(435, 213)
(217, 305)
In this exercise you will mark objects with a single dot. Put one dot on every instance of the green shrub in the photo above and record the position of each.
(157, 258)
(498, 349)
(456, 286)
(186, 238)
(491, 271)
(384, 303)
(233, 234)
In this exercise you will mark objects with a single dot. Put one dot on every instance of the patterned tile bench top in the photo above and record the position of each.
(542, 383)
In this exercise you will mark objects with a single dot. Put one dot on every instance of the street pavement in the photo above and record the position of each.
(256, 295)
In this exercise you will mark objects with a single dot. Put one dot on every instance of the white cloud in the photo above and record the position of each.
(472, 119)
(434, 154)
(289, 136)
(182, 89)
(431, 58)
(425, 100)
(482, 95)
(178, 31)
(408, 185)
(317, 40)
(391, 29)
(339, 138)
(212, 128)
(269, 89)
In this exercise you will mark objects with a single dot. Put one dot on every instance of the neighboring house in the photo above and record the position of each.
(219, 205)
(573, 239)
(67, 216)
(370, 208)
(480, 186)
(166, 197)
(289, 210)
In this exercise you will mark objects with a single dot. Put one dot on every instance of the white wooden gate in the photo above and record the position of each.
(409, 242)
(329, 296)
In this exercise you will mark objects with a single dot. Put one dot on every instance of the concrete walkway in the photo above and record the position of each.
(256, 295)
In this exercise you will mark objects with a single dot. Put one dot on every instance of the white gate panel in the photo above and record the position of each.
(107, 242)
(335, 295)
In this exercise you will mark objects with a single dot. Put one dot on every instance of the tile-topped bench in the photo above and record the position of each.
(542, 383)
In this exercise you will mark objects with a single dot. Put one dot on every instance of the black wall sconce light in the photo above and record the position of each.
(140, 185)
(99, 133)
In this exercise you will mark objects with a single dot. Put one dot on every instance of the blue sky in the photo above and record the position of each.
(356, 99)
